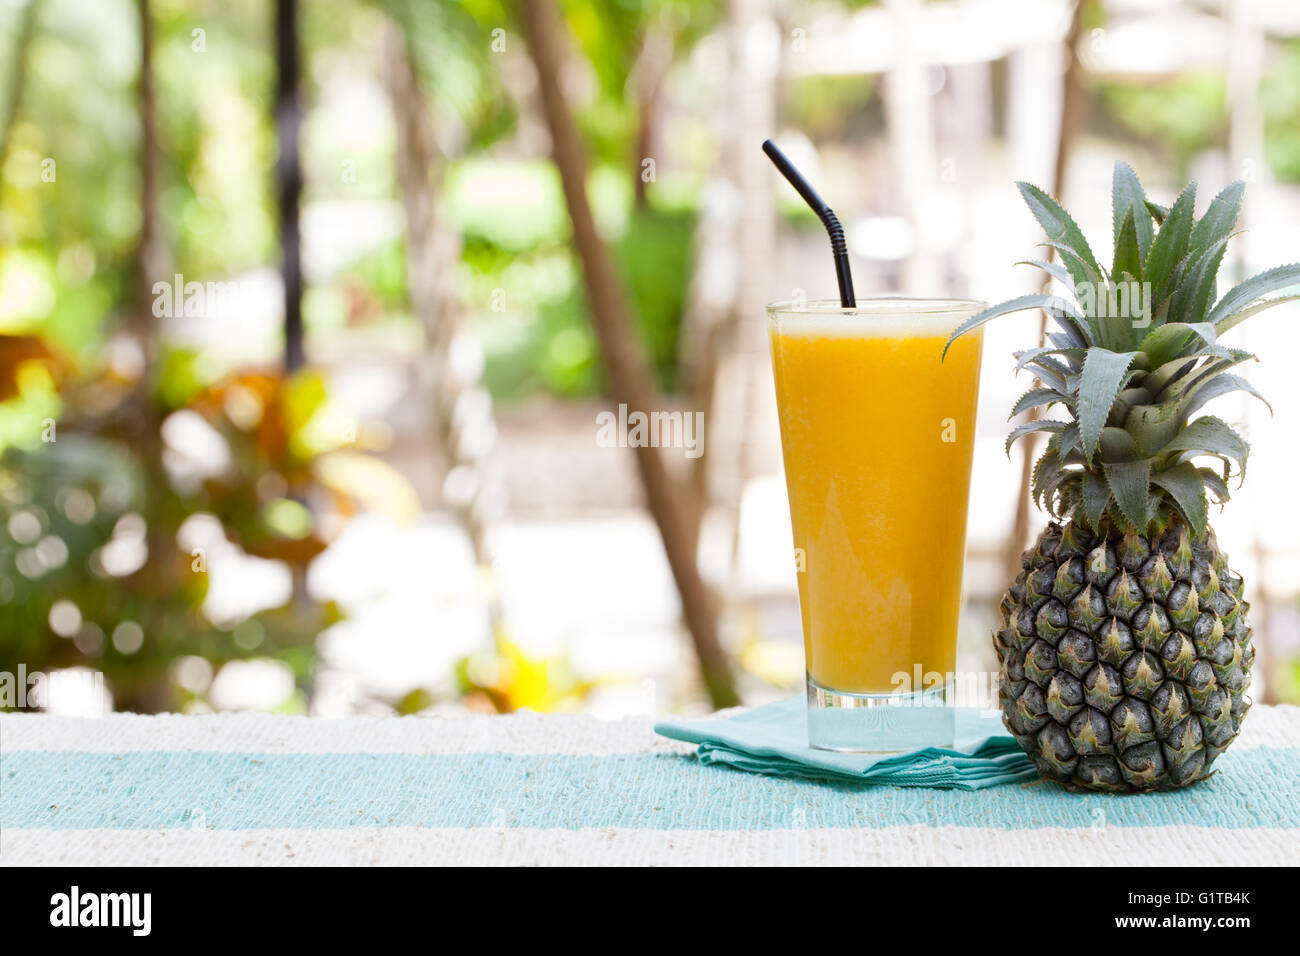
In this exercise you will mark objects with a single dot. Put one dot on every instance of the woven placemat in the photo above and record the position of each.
(572, 789)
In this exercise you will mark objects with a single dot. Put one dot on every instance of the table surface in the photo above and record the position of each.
(532, 789)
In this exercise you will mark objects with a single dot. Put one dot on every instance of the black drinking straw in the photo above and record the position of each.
(818, 205)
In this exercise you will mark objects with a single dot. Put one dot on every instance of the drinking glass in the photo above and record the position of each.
(877, 434)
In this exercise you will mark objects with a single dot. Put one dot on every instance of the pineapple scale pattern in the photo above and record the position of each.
(1124, 660)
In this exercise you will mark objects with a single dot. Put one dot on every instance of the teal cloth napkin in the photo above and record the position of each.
(774, 740)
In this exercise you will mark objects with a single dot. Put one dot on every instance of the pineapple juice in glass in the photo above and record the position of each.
(877, 435)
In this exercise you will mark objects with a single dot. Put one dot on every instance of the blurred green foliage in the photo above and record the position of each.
(1280, 98)
(526, 290)
(84, 494)
(1179, 116)
(88, 526)
(823, 107)
(70, 219)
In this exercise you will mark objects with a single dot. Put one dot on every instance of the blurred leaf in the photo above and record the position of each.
(378, 486)
(183, 375)
(20, 351)
(414, 702)
(287, 518)
(520, 681)
(301, 397)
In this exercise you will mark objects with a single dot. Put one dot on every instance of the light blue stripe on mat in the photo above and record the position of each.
(233, 791)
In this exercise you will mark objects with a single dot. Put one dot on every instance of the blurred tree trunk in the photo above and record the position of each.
(464, 429)
(142, 424)
(288, 121)
(288, 127)
(629, 377)
(648, 76)
(151, 252)
(18, 74)
(1072, 104)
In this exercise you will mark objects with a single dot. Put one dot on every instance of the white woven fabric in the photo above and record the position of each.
(524, 733)
(402, 846)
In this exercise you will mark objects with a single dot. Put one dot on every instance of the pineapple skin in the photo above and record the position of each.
(1124, 660)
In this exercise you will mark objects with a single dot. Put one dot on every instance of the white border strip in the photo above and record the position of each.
(904, 845)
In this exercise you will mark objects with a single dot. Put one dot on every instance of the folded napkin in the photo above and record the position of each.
(774, 740)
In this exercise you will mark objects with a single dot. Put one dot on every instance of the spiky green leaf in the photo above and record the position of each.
(1128, 253)
(1069, 493)
(1130, 396)
(1215, 484)
(1051, 378)
(1162, 310)
(1160, 378)
(1116, 444)
(1129, 482)
(1094, 278)
(1053, 269)
(1104, 374)
(1019, 304)
(1240, 296)
(1236, 318)
(1152, 427)
(1096, 496)
(1036, 398)
(1067, 338)
(1072, 322)
(1045, 470)
(1027, 428)
(1168, 342)
(1205, 372)
(1170, 243)
(1058, 225)
(1187, 488)
(1211, 436)
(1219, 219)
(1178, 275)
(1052, 487)
(1158, 212)
(1129, 200)
(1093, 273)
(1129, 310)
(1192, 300)
(1043, 356)
(1212, 388)
(1067, 444)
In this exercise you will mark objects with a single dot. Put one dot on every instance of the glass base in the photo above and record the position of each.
(879, 723)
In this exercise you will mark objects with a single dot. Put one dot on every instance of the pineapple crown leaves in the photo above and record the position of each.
(1133, 354)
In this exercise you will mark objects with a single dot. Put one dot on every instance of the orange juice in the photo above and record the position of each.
(877, 435)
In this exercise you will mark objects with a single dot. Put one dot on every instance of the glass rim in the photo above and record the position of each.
(878, 307)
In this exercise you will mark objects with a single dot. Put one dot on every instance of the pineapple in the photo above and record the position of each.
(1124, 643)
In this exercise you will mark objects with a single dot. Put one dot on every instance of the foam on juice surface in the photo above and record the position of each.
(883, 321)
